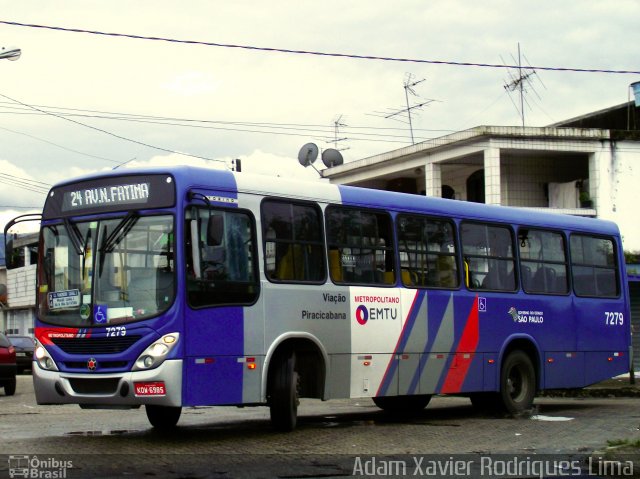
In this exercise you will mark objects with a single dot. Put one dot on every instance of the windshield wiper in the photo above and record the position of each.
(75, 236)
(119, 232)
(79, 243)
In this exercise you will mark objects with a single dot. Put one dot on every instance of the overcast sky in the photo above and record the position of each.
(238, 94)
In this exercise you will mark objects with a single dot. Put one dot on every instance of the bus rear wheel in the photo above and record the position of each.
(517, 383)
(402, 404)
(284, 400)
(163, 417)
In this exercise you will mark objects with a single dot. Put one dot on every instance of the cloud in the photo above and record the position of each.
(191, 83)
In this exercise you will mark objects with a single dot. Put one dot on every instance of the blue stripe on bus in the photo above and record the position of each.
(402, 342)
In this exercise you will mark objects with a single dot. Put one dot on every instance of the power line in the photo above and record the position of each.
(62, 117)
(191, 123)
(35, 182)
(315, 53)
(23, 186)
(22, 207)
(57, 145)
(225, 122)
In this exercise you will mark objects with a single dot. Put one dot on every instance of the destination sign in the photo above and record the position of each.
(137, 193)
(112, 193)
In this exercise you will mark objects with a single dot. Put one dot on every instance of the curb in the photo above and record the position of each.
(597, 392)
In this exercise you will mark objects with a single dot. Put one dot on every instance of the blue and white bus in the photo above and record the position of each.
(186, 286)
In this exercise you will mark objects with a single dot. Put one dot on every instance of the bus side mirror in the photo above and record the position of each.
(14, 254)
(215, 230)
(8, 254)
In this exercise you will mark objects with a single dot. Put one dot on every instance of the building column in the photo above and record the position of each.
(433, 179)
(492, 175)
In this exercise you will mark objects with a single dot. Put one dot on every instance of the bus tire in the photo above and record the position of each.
(163, 417)
(517, 383)
(10, 387)
(284, 400)
(402, 404)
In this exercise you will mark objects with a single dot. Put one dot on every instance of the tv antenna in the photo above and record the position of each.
(408, 85)
(337, 123)
(519, 82)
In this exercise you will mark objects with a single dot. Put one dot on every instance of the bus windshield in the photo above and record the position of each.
(115, 270)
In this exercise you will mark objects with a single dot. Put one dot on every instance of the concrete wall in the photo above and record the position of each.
(615, 181)
(523, 179)
(21, 287)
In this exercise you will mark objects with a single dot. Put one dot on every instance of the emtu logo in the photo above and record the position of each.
(362, 314)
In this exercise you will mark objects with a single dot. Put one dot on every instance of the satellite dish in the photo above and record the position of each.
(10, 53)
(331, 158)
(308, 154)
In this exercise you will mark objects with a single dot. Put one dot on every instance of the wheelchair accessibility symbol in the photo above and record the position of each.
(482, 304)
(100, 314)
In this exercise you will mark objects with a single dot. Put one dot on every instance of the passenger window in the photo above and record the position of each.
(360, 246)
(488, 257)
(427, 252)
(221, 257)
(543, 263)
(594, 266)
(293, 241)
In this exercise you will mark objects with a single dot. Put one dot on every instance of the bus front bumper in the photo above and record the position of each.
(160, 386)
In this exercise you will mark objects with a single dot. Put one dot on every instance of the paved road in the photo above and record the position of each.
(232, 442)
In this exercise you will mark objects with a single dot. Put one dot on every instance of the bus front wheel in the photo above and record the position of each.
(163, 417)
(283, 400)
(517, 383)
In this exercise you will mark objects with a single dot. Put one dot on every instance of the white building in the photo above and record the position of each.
(19, 309)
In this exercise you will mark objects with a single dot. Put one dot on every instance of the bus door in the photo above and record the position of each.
(221, 282)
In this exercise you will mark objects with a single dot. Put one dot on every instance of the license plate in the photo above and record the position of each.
(150, 389)
(21, 354)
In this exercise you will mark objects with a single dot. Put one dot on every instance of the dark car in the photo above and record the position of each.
(7, 366)
(24, 351)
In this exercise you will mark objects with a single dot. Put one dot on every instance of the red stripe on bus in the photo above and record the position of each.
(464, 354)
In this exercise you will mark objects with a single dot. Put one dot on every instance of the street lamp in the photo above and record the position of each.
(10, 53)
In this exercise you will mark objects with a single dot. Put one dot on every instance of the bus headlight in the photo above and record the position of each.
(156, 353)
(43, 358)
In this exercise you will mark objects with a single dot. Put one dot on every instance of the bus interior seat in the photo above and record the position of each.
(544, 279)
(491, 280)
(408, 278)
(297, 264)
(446, 268)
(335, 268)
